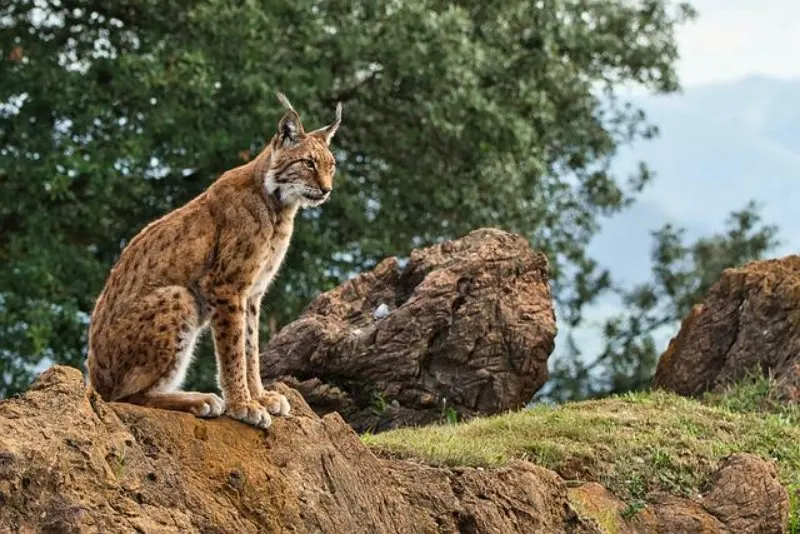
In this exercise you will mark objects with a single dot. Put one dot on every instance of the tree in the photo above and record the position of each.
(457, 115)
(682, 273)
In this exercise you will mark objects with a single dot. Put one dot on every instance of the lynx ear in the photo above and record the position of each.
(289, 128)
(328, 132)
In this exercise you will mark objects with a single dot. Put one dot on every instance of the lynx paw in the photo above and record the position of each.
(215, 406)
(207, 405)
(274, 402)
(250, 412)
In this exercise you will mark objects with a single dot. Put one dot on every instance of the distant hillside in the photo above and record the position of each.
(719, 147)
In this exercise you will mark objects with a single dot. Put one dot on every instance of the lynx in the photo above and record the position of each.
(209, 262)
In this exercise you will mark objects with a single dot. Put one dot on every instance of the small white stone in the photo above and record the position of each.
(381, 311)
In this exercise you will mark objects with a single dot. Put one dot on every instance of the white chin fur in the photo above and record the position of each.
(306, 202)
(289, 194)
(269, 183)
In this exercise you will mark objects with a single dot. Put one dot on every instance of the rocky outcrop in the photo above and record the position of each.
(749, 322)
(464, 327)
(71, 463)
(744, 497)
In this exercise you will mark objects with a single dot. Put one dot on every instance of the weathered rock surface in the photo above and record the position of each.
(70, 462)
(748, 322)
(466, 325)
(744, 497)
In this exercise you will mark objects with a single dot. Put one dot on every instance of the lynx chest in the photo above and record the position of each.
(274, 253)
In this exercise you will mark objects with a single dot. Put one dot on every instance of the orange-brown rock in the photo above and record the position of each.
(71, 463)
(744, 497)
(749, 322)
(465, 325)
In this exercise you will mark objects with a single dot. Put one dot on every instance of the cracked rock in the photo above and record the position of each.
(470, 321)
(748, 322)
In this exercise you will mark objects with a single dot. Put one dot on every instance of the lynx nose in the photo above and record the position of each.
(325, 190)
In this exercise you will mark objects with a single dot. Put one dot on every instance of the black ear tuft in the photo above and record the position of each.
(290, 129)
(329, 131)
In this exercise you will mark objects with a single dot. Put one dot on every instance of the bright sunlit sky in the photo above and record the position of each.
(733, 39)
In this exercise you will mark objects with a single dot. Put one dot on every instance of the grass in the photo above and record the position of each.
(116, 460)
(632, 444)
(757, 394)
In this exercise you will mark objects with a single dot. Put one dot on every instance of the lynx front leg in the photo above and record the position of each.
(273, 401)
(228, 322)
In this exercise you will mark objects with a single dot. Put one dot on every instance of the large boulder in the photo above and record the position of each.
(748, 323)
(71, 463)
(465, 327)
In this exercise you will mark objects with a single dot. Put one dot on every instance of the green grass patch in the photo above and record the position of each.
(794, 509)
(632, 444)
(755, 394)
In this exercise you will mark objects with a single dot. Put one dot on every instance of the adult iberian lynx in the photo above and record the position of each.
(208, 262)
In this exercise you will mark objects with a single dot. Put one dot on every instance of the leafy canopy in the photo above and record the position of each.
(457, 115)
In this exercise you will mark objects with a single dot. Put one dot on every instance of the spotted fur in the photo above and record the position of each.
(208, 263)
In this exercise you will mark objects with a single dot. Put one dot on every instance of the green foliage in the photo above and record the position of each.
(450, 416)
(378, 403)
(682, 273)
(457, 115)
(634, 507)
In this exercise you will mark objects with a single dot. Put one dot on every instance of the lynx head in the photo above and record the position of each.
(301, 165)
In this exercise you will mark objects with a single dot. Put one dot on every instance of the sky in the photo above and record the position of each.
(729, 41)
(733, 39)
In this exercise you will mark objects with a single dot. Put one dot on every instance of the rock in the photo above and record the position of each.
(747, 496)
(666, 513)
(744, 497)
(70, 462)
(749, 322)
(466, 325)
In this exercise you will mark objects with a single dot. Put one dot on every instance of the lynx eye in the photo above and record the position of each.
(309, 163)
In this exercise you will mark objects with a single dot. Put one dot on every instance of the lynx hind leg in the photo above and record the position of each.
(167, 329)
(274, 402)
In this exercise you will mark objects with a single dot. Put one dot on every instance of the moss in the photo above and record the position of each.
(606, 519)
(632, 444)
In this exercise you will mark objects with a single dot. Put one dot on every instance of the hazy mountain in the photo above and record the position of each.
(720, 146)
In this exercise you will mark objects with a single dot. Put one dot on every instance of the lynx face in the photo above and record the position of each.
(302, 174)
(301, 166)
